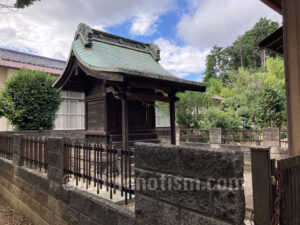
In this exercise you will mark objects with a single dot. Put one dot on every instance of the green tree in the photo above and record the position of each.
(275, 67)
(215, 87)
(30, 94)
(191, 107)
(24, 3)
(221, 119)
(213, 64)
(7, 107)
(244, 52)
(271, 107)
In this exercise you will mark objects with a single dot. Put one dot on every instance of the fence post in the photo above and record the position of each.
(262, 185)
(55, 148)
(17, 150)
(215, 136)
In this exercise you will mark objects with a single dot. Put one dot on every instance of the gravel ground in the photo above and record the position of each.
(10, 216)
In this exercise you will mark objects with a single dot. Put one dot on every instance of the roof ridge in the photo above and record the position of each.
(86, 34)
(34, 55)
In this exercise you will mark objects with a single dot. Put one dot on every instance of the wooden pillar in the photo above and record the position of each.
(291, 21)
(124, 122)
(173, 120)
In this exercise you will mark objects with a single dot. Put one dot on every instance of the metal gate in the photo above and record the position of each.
(276, 188)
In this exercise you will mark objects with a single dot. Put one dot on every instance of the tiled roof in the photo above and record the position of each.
(17, 65)
(103, 52)
(17, 60)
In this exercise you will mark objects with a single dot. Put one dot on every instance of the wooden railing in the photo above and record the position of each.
(289, 189)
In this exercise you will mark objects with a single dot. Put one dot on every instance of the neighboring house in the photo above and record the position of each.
(71, 112)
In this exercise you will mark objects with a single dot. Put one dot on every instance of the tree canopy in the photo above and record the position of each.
(243, 52)
(24, 3)
(249, 80)
(28, 100)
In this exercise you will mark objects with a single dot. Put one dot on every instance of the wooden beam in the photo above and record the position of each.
(291, 33)
(148, 86)
(105, 108)
(274, 4)
(124, 122)
(172, 119)
(148, 97)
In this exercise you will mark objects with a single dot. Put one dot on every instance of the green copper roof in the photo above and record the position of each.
(102, 52)
(109, 57)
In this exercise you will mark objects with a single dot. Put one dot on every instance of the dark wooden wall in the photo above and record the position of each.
(104, 111)
(95, 111)
(140, 116)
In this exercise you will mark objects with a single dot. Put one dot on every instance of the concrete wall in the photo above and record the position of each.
(173, 185)
(44, 199)
(275, 153)
(201, 199)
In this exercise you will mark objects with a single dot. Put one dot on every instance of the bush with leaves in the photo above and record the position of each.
(28, 100)
(221, 119)
(271, 110)
(190, 109)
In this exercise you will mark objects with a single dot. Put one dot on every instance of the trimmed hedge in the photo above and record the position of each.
(34, 99)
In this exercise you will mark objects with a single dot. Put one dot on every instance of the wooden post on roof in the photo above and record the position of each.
(124, 122)
(291, 33)
(172, 119)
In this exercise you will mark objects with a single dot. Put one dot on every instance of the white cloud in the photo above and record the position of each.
(220, 22)
(48, 26)
(145, 21)
(144, 24)
(181, 61)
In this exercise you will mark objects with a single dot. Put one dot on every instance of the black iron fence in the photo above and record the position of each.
(6, 146)
(100, 167)
(34, 152)
(242, 136)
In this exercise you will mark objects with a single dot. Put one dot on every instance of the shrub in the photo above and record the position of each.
(35, 101)
(221, 119)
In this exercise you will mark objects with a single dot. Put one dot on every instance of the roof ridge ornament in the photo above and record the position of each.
(154, 51)
(85, 33)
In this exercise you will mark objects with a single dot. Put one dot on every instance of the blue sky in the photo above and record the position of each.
(185, 30)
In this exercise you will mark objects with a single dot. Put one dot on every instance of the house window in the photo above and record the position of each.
(71, 114)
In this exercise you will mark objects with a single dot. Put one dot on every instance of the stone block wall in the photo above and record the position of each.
(181, 185)
(44, 199)
(176, 185)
